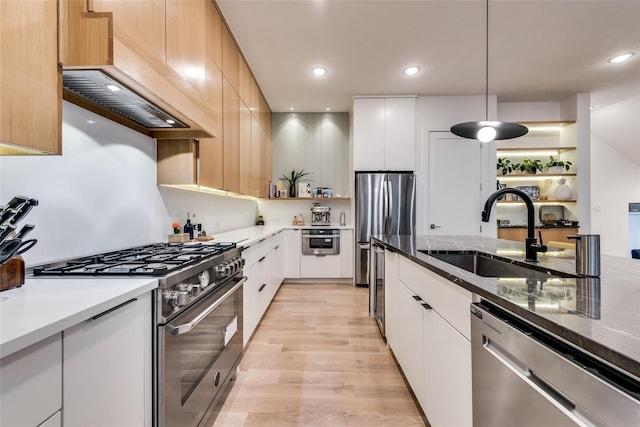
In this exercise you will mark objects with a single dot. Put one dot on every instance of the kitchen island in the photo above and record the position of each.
(600, 316)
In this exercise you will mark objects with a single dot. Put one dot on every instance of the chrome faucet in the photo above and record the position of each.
(532, 247)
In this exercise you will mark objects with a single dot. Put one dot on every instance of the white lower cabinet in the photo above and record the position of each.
(107, 369)
(409, 348)
(292, 251)
(265, 271)
(31, 384)
(346, 253)
(320, 266)
(427, 326)
(447, 373)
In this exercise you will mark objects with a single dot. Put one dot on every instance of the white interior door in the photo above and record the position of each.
(454, 185)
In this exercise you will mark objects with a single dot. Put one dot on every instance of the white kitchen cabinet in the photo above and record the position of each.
(446, 395)
(265, 270)
(31, 383)
(409, 343)
(391, 286)
(428, 328)
(320, 266)
(346, 253)
(384, 134)
(292, 251)
(107, 369)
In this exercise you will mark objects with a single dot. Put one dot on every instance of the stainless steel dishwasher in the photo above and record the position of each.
(523, 376)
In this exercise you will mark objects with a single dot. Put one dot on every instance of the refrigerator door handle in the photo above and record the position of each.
(387, 206)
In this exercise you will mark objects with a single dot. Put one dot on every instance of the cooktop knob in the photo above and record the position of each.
(175, 298)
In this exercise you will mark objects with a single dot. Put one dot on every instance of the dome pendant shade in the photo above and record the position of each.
(504, 130)
(487, 131)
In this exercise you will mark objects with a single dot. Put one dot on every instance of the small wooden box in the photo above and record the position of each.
(178, 238)
(12, 274)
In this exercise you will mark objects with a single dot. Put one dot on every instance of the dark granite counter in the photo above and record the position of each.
(601, 315)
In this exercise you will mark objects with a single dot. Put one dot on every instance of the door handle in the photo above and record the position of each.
(433, 226)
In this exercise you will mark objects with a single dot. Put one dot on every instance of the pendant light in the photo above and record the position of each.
(487, 131)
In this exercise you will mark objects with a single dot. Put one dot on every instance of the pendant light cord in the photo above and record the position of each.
(486, 87)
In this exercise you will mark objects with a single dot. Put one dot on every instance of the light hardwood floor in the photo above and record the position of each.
(315, 360)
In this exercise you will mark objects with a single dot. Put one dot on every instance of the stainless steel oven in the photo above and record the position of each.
(321, 241)
(198, 353)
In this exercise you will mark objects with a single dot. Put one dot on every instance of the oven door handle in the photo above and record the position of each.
(186, 327)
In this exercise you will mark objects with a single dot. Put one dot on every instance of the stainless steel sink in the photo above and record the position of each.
(486, 265)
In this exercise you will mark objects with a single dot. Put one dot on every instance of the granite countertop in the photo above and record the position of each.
(599, 315)
(538, 226)
(43, 307)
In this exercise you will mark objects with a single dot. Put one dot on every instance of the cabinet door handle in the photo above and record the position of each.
(277, 247)
(262, 259)
(433, 226)
(112, 309)
(417, 298)
(262, 287)
(426, 306)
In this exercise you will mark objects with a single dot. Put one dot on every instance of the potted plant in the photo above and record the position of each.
(557, 166)
(293, 180)
(504, 165)
(529, 166)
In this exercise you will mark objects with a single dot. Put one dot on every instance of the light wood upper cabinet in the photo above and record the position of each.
(142, 22)
(186, 40)
(177, 161)
(245, 149)
(213, 33)
(231, 137)
(245, 81)
(230, 58)
(30, 81)
(211, 170)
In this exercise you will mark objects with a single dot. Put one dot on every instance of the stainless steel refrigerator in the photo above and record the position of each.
(385, 205)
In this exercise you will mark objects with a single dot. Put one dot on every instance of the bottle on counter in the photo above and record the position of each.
(295, 220)
(188, 228)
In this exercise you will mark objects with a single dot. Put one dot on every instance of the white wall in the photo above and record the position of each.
(437, 114)
(615, 184)
(615, 164)
(101, 194)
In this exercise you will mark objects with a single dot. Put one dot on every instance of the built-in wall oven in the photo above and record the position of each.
(321, 241)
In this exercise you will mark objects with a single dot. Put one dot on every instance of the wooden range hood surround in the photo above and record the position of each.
(91, 40)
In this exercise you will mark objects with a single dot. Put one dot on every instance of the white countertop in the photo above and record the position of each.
(247, 236)
(43, 307)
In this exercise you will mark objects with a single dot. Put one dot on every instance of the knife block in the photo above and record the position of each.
(12, 274)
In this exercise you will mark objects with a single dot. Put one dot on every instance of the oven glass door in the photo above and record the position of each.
(201, 348)
(321, 242)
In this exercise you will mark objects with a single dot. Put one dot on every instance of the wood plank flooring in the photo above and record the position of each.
(317, 360)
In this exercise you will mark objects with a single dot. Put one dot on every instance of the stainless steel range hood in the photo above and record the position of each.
(109, 97)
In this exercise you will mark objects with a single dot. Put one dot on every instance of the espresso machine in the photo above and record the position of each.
(320, 215)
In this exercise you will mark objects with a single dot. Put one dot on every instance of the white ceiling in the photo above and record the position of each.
(538, 50)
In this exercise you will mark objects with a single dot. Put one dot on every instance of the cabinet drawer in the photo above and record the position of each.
(448, 299)
(31, 386)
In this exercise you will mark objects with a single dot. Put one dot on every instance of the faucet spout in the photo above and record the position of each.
(531, 244)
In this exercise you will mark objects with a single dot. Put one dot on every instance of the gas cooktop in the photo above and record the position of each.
(156, 260)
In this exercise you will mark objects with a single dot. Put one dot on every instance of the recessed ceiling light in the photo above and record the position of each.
(113, 88)
(90, 122)
(319, 71)
(328, 109)
(621, 58)
(290, 108)
(170, 121)
(410, 71)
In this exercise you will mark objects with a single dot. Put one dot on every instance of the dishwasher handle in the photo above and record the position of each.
(554, 396)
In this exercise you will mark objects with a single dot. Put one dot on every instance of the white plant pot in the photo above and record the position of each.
(556, 169)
